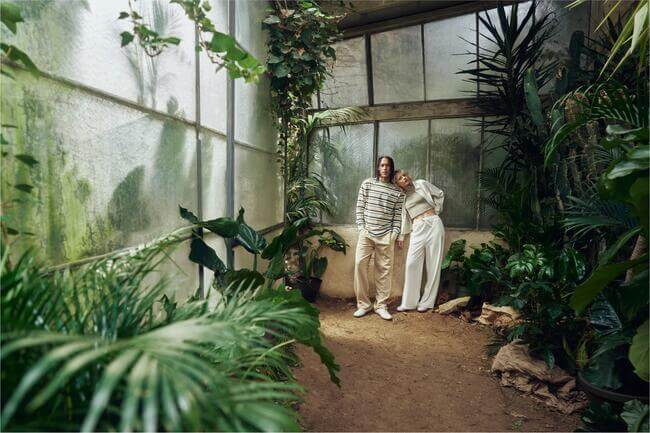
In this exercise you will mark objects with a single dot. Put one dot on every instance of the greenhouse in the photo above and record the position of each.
(324, 215)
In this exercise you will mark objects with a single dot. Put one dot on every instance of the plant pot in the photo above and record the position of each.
(606, 395)
(311, 289)
(308, 287)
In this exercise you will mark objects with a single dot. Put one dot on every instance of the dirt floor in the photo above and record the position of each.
(420, 372)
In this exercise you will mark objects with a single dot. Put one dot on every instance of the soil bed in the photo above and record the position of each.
(420, 372)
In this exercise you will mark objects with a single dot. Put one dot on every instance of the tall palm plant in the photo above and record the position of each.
(508, 70)
(104, 348)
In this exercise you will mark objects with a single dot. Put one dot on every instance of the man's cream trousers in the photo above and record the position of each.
(383, 249)
(426, 248)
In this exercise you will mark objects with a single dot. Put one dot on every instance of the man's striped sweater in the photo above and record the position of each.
(379, 207)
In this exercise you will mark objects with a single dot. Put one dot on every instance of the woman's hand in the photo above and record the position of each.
(400, 243)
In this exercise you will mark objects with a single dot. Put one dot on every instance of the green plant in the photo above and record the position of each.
(509, 69)
(301, 36)
(222, 49)
(480, 273)
(111, 350)
(634, 33)
(10, 16)
(539, 282)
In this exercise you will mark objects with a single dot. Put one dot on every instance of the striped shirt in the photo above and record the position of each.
(379, 207)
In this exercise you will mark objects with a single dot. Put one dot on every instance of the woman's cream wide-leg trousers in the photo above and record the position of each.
(425, 249)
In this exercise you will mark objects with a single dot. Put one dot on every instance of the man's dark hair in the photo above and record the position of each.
(392, 167)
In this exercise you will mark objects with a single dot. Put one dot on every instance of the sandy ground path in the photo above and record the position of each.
(420, 372)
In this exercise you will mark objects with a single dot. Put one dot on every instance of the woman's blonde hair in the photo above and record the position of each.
(398, 173)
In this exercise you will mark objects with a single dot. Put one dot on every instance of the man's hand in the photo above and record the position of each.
(400, 243)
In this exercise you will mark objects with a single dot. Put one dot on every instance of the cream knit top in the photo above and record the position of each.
(415, 204)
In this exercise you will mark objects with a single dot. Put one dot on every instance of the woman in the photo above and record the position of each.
(420, 212)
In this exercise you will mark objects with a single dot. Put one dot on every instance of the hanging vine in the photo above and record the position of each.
(300, 53)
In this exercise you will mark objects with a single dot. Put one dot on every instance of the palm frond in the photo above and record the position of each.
(104, 348)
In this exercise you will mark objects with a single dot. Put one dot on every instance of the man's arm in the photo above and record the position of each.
(362, 199)
(397, 215)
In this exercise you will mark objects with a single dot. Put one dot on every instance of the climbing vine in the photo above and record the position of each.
(300, 53)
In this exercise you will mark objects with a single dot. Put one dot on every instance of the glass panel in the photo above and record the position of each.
(455, 147)
(348, 85)
(397, 65)
(108, 176)
(213, 84)
(248, 29)
(344, 170)
(407, 143)
(213, 162)
(253, 119)
(80, 40)
(258, 187)
(446, 53)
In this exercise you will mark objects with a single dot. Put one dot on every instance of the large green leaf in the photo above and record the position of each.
(10, 15)
(533, 100)
(586, 292)
(202, 254)
(611, 252)
(602, 371)
(639, 351)
(248, 237)
(604, 318)
(635, 414)
(224, 227)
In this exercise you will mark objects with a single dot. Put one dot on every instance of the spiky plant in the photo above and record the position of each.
(104, 348)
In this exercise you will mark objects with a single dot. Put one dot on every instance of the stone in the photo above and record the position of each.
(453, 305)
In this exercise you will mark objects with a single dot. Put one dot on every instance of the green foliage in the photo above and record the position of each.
(600, 417)
(538, 283)
(221, 49)
(10, 16)
(101, 356)
(247, 237)
(639, 352)
(300, 52)
(634, 33)
(635, 414)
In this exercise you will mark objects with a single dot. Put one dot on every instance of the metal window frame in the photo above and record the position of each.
(458, 101)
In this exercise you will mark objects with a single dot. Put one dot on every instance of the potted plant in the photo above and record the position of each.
(307, 276)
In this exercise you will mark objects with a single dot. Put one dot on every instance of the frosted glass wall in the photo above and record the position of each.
(417, 64)
(344, 167)
(347, 86)
(115, 131)
(397, 65)
(406, 143)
(446, 48)
(455, 154)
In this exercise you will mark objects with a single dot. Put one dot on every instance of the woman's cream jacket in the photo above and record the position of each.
(432, 194)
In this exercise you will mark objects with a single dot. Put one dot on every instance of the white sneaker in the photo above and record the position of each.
(402, 309)
(423, 309)
(384, 314)
(360, 312)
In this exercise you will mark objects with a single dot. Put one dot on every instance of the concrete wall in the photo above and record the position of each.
(338, 281)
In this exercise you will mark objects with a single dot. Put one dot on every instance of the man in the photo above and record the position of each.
(378, 218)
